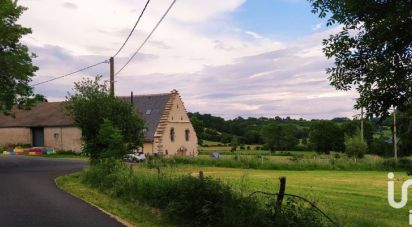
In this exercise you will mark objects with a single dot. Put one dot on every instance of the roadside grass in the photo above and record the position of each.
(293, 162)
(132, 212)
(352, 198)
(67, 156)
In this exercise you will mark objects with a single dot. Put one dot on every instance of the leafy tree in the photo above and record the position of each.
(91, 105)
(234, 143)
(351, 128)
(326, 136)
(354, 146)
(16, 67)
(373, 52)
(404, 123)
(280, 137)
(109, 142)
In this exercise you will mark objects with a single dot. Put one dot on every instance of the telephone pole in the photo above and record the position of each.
(361, 124)
(111, 76)
(395, 147)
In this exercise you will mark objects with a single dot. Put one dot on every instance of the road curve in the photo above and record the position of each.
(29, 196)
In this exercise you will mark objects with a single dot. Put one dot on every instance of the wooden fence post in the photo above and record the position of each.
(281, 193)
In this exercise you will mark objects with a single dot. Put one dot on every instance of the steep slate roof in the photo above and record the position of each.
(47, 114)
(53, 114)
(151, 108)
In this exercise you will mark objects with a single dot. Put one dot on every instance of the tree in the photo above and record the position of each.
(326, 136)
(373, 52)
(110, 142)
(280, 137)
(351, 128)
(354, 146)
(404, 129)
(16, 67)
(92, 107)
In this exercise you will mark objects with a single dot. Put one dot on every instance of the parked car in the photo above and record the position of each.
(135, 157)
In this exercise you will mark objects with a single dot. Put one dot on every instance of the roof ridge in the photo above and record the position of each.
(144, 95)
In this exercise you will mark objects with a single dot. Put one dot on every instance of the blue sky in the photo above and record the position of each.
(282, 19)
(228, 58)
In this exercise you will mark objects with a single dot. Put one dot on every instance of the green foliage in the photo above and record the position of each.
(293, 162)
(280, 137)
(90, 105)
(352, 127)
(355, 147)
(404, 123)
(16, 67)
(381, 147)
(109, 142)
(192, 201)
(326, 136)
(372, 52)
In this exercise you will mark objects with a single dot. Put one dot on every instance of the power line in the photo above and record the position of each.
(131, 32)
(79, 70)
(147, 38)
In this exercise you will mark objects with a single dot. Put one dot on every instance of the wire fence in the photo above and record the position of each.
(278, 195)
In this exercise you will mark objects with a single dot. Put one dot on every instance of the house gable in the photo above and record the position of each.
(175, 119)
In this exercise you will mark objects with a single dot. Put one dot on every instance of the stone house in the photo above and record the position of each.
(168, 127)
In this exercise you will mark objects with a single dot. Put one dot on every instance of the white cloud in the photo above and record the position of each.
(317, 27)
(217, 68)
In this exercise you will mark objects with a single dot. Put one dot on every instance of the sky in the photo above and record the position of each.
(228, 58)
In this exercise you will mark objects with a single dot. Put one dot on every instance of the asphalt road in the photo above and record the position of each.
(29, 196)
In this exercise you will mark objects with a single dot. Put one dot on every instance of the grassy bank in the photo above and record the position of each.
(132, 212)
(353, 198)
(295, 162)
(193, 200)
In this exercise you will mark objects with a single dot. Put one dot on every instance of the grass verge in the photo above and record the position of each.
(133, 213)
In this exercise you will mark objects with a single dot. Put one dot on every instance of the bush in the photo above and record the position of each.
(355, 147)
(191, 201)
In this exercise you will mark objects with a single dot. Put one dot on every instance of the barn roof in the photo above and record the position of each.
(46, 114)
(53, 114)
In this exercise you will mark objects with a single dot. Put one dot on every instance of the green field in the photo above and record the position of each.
(351, 198)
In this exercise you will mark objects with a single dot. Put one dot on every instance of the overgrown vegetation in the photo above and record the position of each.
(292, 162)
(195, 201)
(110, 126)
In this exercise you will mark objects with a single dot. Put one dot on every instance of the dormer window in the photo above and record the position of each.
(172, 134)
(149, 111)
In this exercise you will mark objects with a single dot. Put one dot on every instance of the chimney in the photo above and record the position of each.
(131, 98)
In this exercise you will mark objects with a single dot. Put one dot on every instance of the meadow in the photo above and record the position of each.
(352, 198)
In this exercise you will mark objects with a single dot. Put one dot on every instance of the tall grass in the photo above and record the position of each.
(292, 163)
(196, 201)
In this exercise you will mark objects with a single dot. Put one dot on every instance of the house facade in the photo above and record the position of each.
(168, 127)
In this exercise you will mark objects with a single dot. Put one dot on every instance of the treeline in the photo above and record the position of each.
(338, 134)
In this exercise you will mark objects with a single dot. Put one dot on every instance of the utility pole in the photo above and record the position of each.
(111, 76)
(395, 147)
(361, 125)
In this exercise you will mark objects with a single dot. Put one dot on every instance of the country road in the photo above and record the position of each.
(29, 196)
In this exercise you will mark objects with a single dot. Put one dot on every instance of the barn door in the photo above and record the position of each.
(37, 137)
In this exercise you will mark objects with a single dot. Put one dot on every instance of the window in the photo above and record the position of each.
(177, 106)
(187, 134)
(172, 134)
(149, 111)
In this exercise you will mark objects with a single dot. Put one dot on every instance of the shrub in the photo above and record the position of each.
(191, 201)
(355, 147)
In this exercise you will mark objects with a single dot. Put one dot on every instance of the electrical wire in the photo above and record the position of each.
(134, 27)
(147, 38)
(77, 71)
